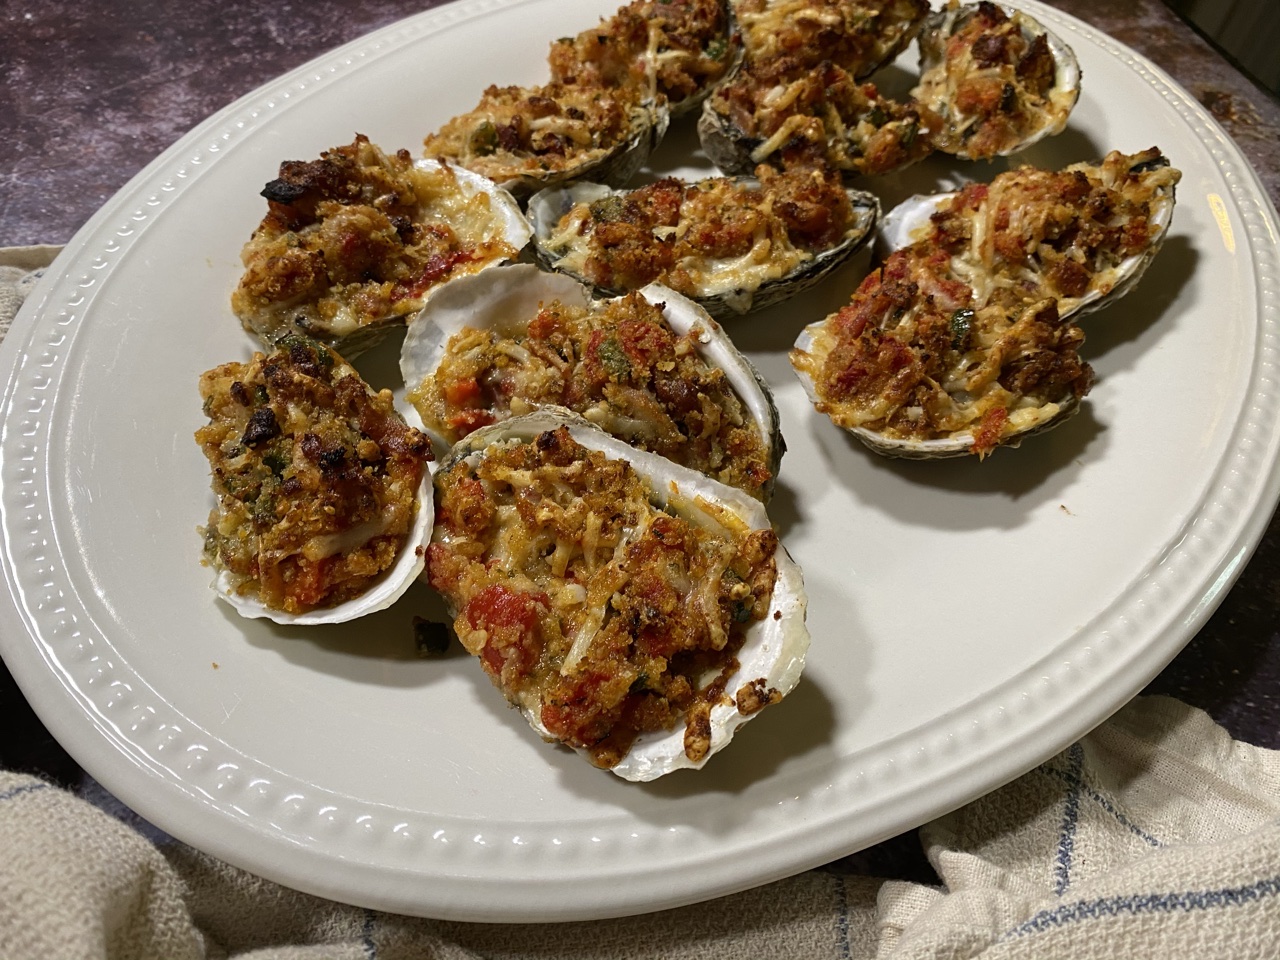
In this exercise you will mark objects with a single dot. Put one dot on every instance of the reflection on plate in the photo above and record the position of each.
(968, 619)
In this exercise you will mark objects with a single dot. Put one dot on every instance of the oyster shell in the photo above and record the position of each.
(1084, 235)
(997, 77)
(860, 36)
(557, 631)
(528, 138)
(325, 503)
(355, 241)
(787, 115)
(672, 50)
(470, 358)
(730, 244)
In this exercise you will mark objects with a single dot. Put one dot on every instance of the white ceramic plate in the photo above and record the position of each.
(969, 619)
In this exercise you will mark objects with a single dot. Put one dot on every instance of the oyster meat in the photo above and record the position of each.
(997, 78)
(964, 339)
(528, 138)
(671, 50)
(730, 244)
(633, 610)
(650, 367)
(325, 504)
(355, 241)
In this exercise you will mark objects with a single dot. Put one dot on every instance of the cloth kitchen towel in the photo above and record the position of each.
(1156, 836)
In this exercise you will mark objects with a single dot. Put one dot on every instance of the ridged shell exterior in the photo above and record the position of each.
(775, 647)
(548, 206)
(506, 300)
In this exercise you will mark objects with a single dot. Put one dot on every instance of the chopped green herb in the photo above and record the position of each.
(614, 359)
(961, 325)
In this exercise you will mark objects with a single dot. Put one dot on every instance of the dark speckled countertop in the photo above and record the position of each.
(89, 93)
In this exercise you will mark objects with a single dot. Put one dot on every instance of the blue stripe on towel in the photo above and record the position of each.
(1070, 818)
(1108, 806)
(842, 918)
(366, 936)
(1138, 904)
(25, 788)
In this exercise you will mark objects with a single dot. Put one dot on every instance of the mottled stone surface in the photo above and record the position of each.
(90, 93)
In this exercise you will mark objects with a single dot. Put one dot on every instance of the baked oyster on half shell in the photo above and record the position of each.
(528, 138)
(354, 242)
(671, 50)
(650, 367)
(965, 338)
(633, 610)
(1083, 235)
(325, 503)
(732, 244)
(997, 77)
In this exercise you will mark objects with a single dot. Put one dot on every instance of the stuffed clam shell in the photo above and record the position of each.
(354, 242)
(996, 77)
(325, 501)
(732, 244)
(633, 610)
(650, 367)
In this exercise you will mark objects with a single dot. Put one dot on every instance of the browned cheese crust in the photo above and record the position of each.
(713, 237)
(317, 477)
(619, 364)
(356, 237)
(674, 48)
(596, 613)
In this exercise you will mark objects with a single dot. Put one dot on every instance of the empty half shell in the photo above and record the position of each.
(325, 501)
(633, 610)
(730, 244)
(528, 138)
(1083, 235)
(997, 78)
(355, 241)
(650, 367)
